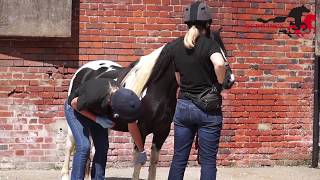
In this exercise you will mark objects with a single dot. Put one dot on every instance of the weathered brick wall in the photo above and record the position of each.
(268, 114)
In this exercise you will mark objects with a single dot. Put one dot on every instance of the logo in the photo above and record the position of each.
(301, 22)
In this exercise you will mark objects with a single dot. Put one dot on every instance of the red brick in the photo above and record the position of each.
(19, 152)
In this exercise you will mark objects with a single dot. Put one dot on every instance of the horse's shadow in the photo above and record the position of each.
(121, 178)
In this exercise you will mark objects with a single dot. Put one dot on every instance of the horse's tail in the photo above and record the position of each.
(138, 76)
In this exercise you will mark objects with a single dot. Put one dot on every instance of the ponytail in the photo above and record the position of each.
(191, 37)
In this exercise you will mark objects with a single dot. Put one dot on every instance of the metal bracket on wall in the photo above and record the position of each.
(35, 18)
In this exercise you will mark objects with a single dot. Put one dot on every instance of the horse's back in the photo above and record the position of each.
(93, 70)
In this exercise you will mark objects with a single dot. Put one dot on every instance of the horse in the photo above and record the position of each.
(154, 82)
(152, 78)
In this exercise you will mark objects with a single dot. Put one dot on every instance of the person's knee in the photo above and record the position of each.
(208, 161)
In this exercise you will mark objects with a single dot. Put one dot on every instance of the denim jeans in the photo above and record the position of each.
(189, 119)
(81, 127)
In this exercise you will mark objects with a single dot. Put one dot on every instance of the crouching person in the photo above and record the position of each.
(91, 108)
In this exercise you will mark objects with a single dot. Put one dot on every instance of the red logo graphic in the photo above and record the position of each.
(298, 27)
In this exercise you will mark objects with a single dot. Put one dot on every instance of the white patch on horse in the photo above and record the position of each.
(94, 65)
(144, 93)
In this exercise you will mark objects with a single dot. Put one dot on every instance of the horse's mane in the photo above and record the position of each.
(139, 74)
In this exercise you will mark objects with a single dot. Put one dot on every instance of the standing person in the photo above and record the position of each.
(200, 72)
(93, 106)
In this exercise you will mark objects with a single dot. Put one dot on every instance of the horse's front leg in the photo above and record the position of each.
(160, 134)
(154, 158)
(137, 167)
(70, 144)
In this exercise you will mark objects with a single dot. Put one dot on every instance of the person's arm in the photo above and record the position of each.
(141, 157)
(88, 114)
(136, 135)
(104, 122)
(219, 67)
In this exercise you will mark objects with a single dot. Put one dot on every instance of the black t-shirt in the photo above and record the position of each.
(194, 65)
(94, 95)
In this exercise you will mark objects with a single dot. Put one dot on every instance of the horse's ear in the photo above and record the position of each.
(217, 37)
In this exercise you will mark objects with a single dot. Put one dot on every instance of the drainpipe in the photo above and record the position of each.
(315, 149)
(315, 145)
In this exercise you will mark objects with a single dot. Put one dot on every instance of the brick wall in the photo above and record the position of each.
(267, 115)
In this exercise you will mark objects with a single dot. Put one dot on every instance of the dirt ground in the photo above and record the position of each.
(273, 173)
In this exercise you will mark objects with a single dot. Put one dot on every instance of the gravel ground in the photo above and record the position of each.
(273, 173)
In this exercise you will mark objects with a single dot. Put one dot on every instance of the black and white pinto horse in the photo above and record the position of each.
(153, 80)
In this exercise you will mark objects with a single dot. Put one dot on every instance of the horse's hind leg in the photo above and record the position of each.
(70, 144)
(157, 142)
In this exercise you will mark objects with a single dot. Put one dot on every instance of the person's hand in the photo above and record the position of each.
(104, 122)
(141, 158)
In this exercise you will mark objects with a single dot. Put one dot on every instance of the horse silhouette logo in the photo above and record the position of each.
(297, 27)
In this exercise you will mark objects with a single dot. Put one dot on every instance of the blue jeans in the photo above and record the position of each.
(81, 127)
(189, 119)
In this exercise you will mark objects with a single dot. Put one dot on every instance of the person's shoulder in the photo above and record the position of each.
(170, 46)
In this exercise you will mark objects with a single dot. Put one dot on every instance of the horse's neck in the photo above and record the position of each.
(164, 85)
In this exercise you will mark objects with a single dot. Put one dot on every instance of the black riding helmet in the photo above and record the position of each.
(126, 105)
(197, 13)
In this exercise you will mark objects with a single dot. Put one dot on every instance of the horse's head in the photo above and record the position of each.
(304, 9)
